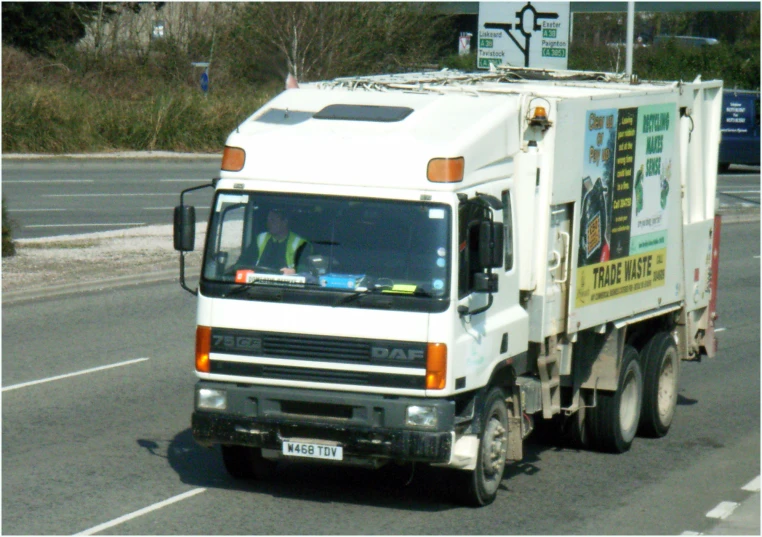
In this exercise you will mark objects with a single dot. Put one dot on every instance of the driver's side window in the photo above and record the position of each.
(469, 217)
(228, 239)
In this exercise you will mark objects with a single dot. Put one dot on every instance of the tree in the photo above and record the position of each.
(317, 40)
(39, 27)
(36, 27)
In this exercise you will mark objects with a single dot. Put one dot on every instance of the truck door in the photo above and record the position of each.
(499, 332)
(559, 258)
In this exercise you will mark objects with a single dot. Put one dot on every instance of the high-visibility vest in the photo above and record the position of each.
(293, 242)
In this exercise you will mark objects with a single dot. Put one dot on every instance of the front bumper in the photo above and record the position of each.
(366, 425)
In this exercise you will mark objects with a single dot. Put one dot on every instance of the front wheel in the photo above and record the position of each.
(614, 419)
(661, 365)
(243, 462)
(479, 487)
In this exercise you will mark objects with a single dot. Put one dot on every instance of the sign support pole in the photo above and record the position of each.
(630, 36)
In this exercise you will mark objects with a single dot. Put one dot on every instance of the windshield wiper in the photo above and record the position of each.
(421, 291)
(361, 291)
(262, 292)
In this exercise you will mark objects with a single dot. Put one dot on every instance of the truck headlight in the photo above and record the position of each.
(421, 416)
(212, 399)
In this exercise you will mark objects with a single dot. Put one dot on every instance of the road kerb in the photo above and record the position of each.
(34, 293)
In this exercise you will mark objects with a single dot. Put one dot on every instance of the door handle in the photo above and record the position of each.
(567, 241)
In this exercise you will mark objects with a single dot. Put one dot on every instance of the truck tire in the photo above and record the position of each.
(479, 487)
(661, 365)
(243, 462)
(615, 418)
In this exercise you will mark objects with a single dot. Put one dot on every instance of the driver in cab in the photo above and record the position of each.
(278, 246)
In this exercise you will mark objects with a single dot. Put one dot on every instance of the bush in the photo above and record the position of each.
(737, 65)
(67, 119)
(9, 247)
(466, 62)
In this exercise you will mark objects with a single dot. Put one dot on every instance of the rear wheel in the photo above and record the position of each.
(479, 487)
(614, 419)
(243, 462)
(661, 366)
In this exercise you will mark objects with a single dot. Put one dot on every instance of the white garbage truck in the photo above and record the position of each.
(423, 267)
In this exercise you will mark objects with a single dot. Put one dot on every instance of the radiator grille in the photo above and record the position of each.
(323, 349)
(328, 376)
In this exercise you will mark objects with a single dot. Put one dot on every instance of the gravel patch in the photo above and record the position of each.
(69, 259)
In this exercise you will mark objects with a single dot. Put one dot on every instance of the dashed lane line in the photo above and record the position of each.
(87, 225)
(46, 181)
(188, 181)
(171, 208)
(752, 486)
(108, 195)
(36, 210)
(723, 510)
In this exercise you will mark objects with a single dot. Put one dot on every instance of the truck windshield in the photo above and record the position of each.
(326, 243)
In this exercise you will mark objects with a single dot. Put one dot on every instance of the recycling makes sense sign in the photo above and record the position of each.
(524, 35)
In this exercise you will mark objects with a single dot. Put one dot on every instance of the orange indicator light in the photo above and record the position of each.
(203, 346)
(446, 170)
(233, 159)
(436, 366)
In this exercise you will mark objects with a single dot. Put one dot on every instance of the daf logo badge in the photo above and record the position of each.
(383, 353)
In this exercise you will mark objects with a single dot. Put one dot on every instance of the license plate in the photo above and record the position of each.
(313, 451)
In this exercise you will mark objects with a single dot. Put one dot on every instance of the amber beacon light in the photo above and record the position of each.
(233, 159)
(203, 347)
(446, 170)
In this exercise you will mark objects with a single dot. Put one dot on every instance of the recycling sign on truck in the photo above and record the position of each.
(523, 35)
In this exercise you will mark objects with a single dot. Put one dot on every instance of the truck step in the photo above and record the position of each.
(550, 378)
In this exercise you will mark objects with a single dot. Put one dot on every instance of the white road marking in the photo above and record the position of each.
(739, 191)
(723, 510)
(200, 181)
(75, 374)
(752, 486)
(34, 210)
(88, 225)
(141, 512)
(112, 195)
(171, 209)
(46, 181)
(719, 330)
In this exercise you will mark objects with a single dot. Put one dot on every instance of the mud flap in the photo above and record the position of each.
(515, 440)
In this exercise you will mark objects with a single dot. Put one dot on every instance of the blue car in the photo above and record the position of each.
(740, 128)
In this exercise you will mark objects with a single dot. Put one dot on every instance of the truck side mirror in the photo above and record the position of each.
(185, 228)
(491, 244)
(485, 283)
